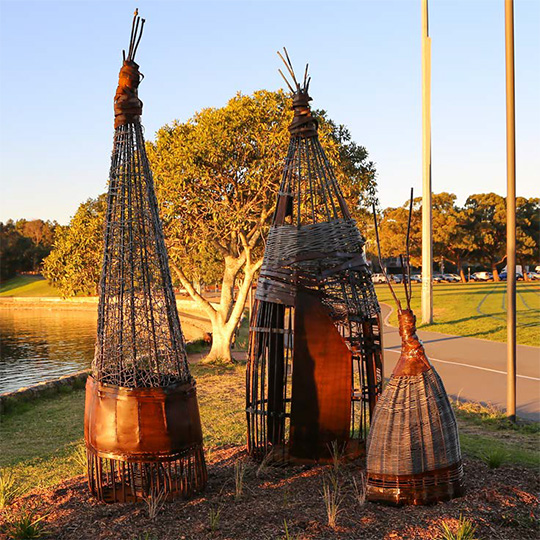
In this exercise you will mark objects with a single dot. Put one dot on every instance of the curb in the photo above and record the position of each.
(42, 389)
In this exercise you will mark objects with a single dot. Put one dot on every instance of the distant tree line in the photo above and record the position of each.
(472, 234)
(23, 245)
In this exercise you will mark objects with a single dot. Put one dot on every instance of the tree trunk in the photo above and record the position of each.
(460, 271)
(495, 272)
(226, 316)
(220, 351)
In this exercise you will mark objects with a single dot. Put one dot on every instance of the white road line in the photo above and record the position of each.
(469, 366)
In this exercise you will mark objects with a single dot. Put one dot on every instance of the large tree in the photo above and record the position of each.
(216, 180)
(74, 264)
(527, 231)
(486, 213)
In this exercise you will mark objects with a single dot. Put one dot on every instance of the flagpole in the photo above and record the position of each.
(427, 237)
(510, 214)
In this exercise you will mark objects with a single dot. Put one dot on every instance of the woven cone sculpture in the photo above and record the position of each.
(315, 364)
(413, 452)
(142, 427)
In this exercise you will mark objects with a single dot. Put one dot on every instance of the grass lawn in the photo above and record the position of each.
(475, 309)
(27, 286)
(41, 442)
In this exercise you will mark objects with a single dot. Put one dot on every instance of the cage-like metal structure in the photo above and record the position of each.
(315, 363)
(142, 427)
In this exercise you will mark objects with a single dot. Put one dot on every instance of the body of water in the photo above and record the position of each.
(41, 344)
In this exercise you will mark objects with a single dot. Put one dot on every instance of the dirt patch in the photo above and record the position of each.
(502, 503)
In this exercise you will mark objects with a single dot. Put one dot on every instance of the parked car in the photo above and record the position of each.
(451, 278)
(502, 275)
(533, 275)
(416, 278)
(378, 278)
(482, 276)
(437, 277)
(396, 278)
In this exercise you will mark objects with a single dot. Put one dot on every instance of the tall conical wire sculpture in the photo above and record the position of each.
(413, 452)
(142, 427)
(315, 364)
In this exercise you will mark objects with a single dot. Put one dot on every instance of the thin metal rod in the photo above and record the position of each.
(408, 246)
(396, 299)
(510, 214)
(427, 237)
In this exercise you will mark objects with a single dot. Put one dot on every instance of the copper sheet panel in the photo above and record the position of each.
(141, 424)
(321, 381)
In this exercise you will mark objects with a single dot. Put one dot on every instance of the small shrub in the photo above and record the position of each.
(9, 490)
(26, 526)
(464, 530)
(332, 499)
(494, 458)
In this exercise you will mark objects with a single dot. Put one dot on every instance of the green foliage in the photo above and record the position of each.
(464, 530)
(23, 245)
(74, 265)
(9, 488)
(474, 233)
(217, 176)
(26, 525)
(494, 457)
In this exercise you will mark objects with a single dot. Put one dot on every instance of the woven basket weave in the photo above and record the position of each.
(413, 452)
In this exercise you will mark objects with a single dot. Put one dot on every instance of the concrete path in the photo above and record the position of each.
(474, 369)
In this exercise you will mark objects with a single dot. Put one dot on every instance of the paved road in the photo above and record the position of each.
(474, 369)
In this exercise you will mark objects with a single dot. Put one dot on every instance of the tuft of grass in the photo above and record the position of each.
(332, 499)
(9, 488)
(26, 525)
(494, 457)
(360, 488)
(263, 465)
(240, 469)
(155, 501)
(80, 457)
(288, 535)
(146, 536)
(214, 515)
(464, 530)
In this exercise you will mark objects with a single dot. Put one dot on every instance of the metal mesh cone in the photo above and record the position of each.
(142, 426)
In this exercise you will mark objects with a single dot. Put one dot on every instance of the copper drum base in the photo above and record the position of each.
(143, 441)
(416, 489)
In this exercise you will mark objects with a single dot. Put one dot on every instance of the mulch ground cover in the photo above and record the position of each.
(502, 503)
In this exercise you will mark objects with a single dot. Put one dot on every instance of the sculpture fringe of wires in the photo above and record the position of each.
(142, 427)
(413, 452)
(315, 363)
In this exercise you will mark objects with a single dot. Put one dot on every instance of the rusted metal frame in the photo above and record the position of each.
(317, 150)
(299, 179)
(312, 142)
(309, 175)
(146, 265)
(334, 184)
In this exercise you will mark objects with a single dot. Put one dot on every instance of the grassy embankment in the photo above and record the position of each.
(28, 286)
(41, 442)
(476, 309)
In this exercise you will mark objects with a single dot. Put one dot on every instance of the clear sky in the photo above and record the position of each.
(59, 64)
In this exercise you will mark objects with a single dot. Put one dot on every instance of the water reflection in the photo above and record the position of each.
(41, 344)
